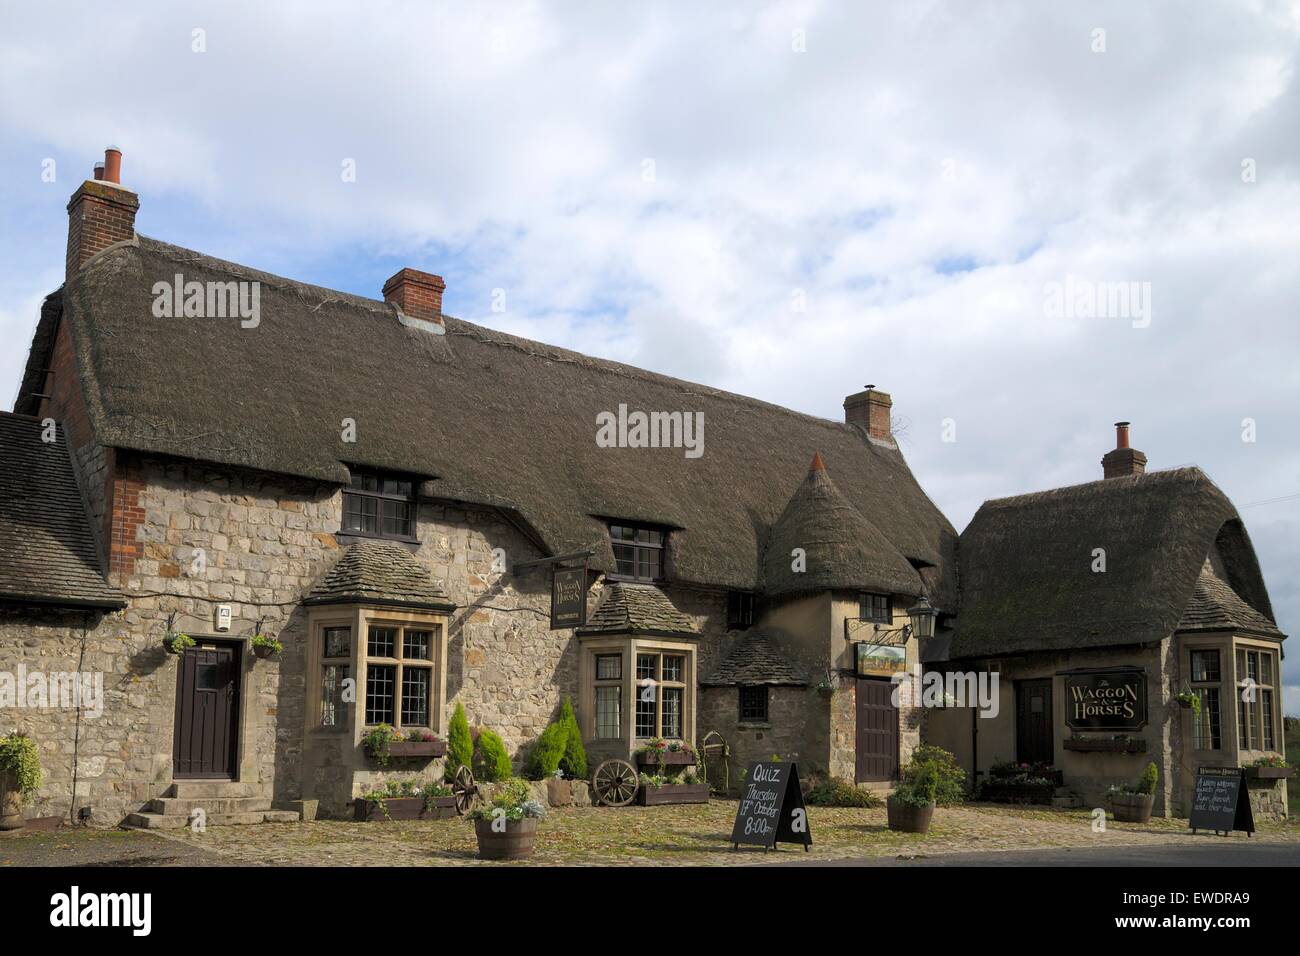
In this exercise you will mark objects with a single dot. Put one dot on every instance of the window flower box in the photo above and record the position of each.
(417, 749)
(649, 795)
(1269, 773)
(403, 808)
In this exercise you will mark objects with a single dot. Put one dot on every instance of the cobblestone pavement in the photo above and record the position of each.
(672, 835)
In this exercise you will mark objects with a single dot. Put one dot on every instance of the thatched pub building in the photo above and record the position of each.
(385, 489)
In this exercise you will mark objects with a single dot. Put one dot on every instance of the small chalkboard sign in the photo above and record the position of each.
(771, 808)
(1221, 802)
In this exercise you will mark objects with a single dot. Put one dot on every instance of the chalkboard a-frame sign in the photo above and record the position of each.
(1221, 802)
(771, 808)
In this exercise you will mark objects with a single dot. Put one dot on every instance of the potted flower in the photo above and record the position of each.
(666, 753)
(1190, 701)
(1133, 804)
(405, 801)
(1272, 767)
(657, 789)
(826, 686)
(177, 643)
(20, 775)
(264, 646)
(507, 827)
(416, 744)
(911, 806)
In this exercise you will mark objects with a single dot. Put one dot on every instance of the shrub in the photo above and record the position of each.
(1147, 782)
(491, 761)
(460, 745)
(838, 792)
(548, 751)
(574, 761)
(951, 789)
(19, 756)
(922, 790)
(513, 799)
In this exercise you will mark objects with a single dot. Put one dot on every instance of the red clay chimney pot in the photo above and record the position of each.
(1121, 434)
(113, 165)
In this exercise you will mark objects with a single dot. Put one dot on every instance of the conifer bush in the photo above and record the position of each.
(549, 750)
(460, 745)
(574, 761)
(1147, 782)
(491, 760)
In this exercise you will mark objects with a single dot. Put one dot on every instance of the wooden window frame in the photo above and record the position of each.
(660, 684)
(741, 610)
(1202, 688)
(741, 703)
(864, 597)
(638, 547)
(1264, 692)
(610, 682)
(400, 664)
(410, 499)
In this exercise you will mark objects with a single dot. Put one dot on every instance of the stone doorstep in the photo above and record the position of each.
(178, 807)
(198, 789)
(161, 821)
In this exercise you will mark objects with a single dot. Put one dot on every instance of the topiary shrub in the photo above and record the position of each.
(548, 751)
(460, 745)
(1147, 782)
(574, 761)
(951, 788)
(491, 761)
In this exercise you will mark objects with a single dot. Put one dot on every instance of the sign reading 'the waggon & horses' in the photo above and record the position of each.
(1105, 700)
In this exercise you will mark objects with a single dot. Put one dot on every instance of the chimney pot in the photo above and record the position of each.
(113, 165)
(1123, 461)
(870, 410)
(417, 294)
(99, 171)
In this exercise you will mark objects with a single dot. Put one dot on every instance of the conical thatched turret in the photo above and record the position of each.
(842, 549)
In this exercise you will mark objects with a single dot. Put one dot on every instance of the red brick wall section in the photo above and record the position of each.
(127, 517)
(417, 294)
(99, 214)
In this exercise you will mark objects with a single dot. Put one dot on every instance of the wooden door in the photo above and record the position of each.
(1034, 721)
(207, 713)
(877, 731)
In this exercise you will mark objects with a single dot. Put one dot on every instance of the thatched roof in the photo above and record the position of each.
(489, 418)
(1216, 607)
(47, 549)
(1027, 563)
(756, 659)
(632, 608)
(842, 549)
(379, 572)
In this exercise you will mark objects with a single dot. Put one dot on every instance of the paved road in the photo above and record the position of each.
(1233, 852)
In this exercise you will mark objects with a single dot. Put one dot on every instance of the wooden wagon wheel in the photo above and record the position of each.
(464, 789)
(615, 783)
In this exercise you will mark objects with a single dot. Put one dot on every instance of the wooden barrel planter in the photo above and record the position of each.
(906, 818)
(652, 796)
(516, 843)
(403, 808)
(1132, 807)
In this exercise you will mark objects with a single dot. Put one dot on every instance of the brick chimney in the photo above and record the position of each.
(100, 213)
(870, 409)
(1123, 460)
(417, 294)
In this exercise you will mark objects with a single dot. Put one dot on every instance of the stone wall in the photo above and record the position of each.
(793, 712)
(204, 535)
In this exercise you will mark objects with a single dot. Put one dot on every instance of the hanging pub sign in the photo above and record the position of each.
(1105, 700)
(771, 807)
(568, 597)
(1221, 801)
(879, 660)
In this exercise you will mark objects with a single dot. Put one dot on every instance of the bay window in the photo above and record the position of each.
(1256, 696)
(1205, 684)
(399, 673)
